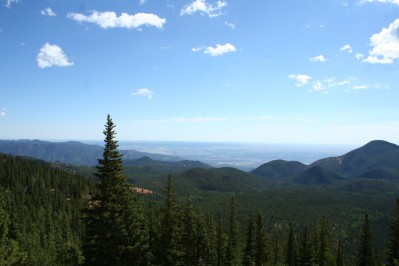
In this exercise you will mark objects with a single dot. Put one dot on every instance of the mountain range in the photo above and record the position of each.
(70, 152)
(374, 164)
(376, 160)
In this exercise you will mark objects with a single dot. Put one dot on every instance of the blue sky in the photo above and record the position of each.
(309, 71)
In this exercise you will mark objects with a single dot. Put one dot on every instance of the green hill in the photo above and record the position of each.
(279, 170)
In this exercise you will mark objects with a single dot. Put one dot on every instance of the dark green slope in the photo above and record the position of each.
(223, 179)
(316, 175)
(377, 159)
(146, 167)
(279, 170)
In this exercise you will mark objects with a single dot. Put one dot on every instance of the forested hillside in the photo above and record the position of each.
(43, 205)
(301, 215)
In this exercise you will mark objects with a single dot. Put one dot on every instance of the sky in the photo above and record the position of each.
(312, 71)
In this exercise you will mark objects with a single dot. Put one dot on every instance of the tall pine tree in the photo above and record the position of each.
(393, 245)
(115, 228)
(366, 254)
(233, 255)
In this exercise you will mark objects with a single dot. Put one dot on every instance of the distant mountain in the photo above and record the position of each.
(71, 152)
(279, 170)
(149, 166)
(377, 159)
(223, 179)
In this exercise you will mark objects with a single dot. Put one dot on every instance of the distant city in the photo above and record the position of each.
(244, 156)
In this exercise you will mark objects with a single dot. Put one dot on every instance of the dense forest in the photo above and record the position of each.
(53, 214)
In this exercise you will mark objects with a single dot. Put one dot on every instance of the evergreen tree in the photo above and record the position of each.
(9, 249)
(305, 250)
(189, 236)
(261, 250)
(366, 254)
(324, 255)
(249, 250)
(115, 227)
(340, 256)
(393, 244)
(169, 250)
(291, 249)
(233, 255)
(220, 245)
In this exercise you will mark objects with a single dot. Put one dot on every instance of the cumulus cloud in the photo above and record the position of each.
(346, 47)
(3, 112)
(385, 45)
(144, 92)
(395, 2)
(216, 51)
(48, 12)
(109, 19)
(52, 55)
(204, 8)
(319, 58)
(9, 3)
(301, 79)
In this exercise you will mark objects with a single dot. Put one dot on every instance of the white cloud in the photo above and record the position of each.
(386, 45)
(360, 87)
(395, 2)
(346, 47)
(3, 112)
(319, 58)
(301, 80)
(230, 25)
(359, 56)
(142, 2)
(144, 92)
(52, 55)
(318, 86)
(11, 2)
(48, 12)
(109, 19)
(204, 8)
(216, 51)
(331, 82)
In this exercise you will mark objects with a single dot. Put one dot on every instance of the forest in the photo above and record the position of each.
(55, 214)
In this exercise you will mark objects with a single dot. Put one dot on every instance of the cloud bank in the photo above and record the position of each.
(109, 19)
(52, 55)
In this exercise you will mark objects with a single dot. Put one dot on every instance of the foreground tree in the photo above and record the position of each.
(115, 227)
(393, 245)
(169, 244)
(366, 255)
(9, 249)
